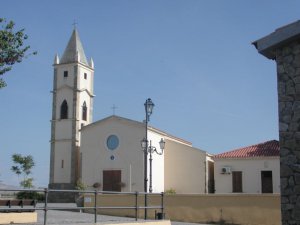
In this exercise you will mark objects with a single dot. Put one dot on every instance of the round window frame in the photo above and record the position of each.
(109, 145)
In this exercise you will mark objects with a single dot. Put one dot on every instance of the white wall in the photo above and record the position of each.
(85, 83)
(181, 166)
(184, 168)
(61, 80)
(128, 156)
(251, 170)
(62, 175)
(157, 164)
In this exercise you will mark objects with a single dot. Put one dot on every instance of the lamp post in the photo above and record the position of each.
(151, 149)
(149, 105)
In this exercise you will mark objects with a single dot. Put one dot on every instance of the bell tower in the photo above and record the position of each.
(72, 108)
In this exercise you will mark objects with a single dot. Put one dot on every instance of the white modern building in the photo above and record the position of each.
(108, 153)
(252, 169)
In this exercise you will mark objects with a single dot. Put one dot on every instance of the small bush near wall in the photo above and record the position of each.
(30, 195)
(170, 191)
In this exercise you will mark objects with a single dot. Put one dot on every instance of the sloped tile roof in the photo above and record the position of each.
(266, 149)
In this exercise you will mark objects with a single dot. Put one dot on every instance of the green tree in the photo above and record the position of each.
(12, 49)
(23, 166)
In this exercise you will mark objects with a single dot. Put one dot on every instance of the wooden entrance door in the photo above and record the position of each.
(266, 182)
(237, 181)
(111, 180)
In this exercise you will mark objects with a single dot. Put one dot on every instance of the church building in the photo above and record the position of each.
(112, 156)
(107, 154)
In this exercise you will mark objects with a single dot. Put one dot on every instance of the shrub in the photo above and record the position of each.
(30, 195)
(170, 191)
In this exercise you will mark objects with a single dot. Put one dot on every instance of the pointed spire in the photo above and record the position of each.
(77, 56)
(56, 59)
(74, 51)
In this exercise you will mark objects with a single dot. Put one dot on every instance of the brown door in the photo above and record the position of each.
(211, 180)
(266, 182)
(111, 180)
(237, 181)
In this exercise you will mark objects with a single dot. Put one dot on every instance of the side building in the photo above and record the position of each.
(252, 169)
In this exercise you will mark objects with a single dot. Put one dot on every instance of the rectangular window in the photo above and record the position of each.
(62, 163)
(85, 75)
(65, 73)
(237, 181)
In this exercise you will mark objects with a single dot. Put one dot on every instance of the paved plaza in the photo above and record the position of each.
(58, 217)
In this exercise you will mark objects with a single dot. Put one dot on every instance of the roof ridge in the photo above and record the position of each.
(141, 124)
(267, 148)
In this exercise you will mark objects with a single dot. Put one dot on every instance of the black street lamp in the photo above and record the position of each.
(151, 149)
(149, 105)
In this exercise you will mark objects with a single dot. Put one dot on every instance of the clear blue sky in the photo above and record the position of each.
(193, 58)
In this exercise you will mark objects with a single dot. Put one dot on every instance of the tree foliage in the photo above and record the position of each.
(12, 49)
(23, 166)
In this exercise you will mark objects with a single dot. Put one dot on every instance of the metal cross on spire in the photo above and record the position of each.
(74, 24)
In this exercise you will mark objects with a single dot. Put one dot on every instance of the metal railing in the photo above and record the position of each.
(136, 207)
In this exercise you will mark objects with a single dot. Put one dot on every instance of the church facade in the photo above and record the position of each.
(112, 157)
(107, 154)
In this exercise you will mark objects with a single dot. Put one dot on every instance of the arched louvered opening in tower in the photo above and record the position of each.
(64, 110)
(84, 111)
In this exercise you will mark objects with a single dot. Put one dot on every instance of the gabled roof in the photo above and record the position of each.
(74, 48)
(137, 123)
(266, 149)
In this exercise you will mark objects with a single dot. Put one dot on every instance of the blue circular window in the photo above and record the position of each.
(112, 142)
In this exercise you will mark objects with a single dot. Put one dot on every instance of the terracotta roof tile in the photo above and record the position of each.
(266, 149)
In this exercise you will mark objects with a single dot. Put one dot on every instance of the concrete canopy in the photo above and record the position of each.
(267, 45)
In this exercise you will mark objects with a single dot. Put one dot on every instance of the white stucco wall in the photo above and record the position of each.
(157, 164)
(128, 156)
(181, 166)
(63, 129)
(184, 168)
(85, 83)
(62, 174)
(251, 170)
(61, 80)
(86, 89)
